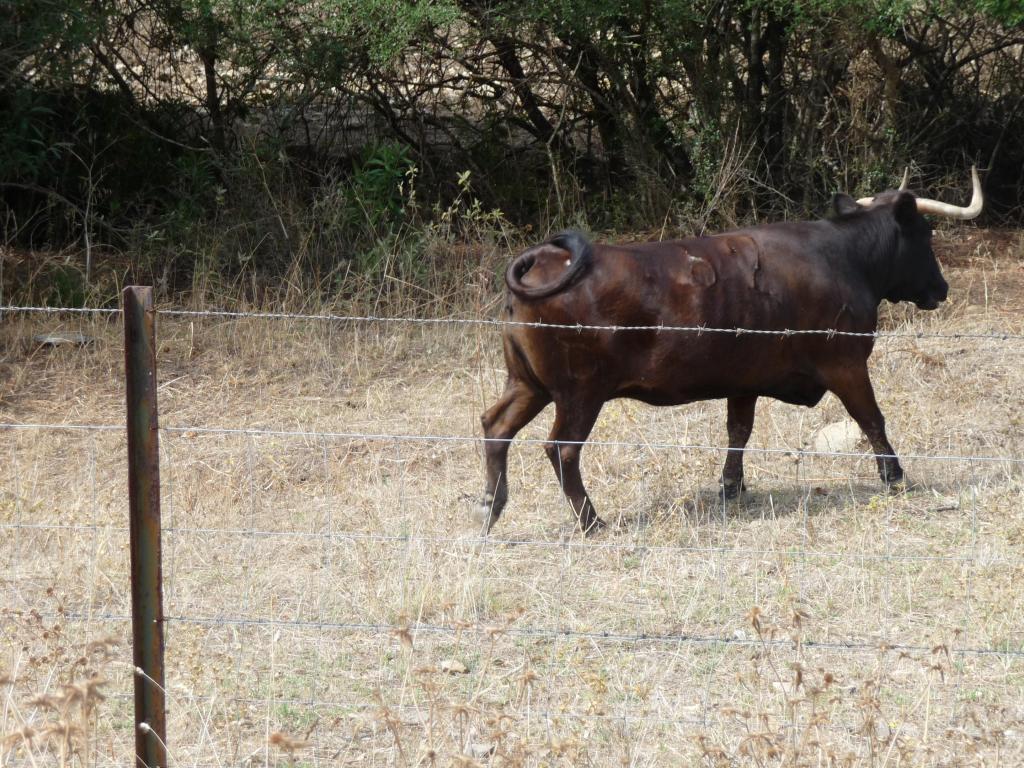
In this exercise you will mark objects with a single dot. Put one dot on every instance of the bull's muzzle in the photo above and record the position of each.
(935, 296)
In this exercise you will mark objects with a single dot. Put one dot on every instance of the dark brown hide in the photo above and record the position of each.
(828, 274)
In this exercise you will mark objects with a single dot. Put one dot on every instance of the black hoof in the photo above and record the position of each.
(731, 490)
(892, 477)
(594, 527)
(890, 471)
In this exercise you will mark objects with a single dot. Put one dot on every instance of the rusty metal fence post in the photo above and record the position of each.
(144, 507)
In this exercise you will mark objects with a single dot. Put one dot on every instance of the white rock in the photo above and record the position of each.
(453, 667)
(62, 339)
(839, 437)
(481, 751)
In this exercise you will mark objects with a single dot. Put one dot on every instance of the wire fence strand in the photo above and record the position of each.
(496, 543)
(393, 437)
(698, 330)
(566, 633)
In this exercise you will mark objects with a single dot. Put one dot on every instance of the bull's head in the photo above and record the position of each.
(916, 275)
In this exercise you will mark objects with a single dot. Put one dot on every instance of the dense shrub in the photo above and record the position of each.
(258, 134)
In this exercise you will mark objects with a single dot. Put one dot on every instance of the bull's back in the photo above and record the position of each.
(722, 282)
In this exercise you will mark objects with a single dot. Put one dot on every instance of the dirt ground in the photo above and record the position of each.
(329, 603)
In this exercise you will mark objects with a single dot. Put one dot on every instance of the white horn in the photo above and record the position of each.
(934, 207)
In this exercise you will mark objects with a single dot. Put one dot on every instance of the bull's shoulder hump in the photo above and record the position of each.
(736, 250)
(734, 241)
(687, 265)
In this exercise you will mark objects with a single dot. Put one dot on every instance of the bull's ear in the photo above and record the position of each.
(843, 204)
(904, 208)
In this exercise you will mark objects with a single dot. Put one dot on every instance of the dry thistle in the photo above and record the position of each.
(86, 693)
(287, 743)
(462, 713)
(754, 619)
(391, 722)
(712, 752)
(404, 636)
(103, 648)
(798, 674)
(66, 734)
(525, 680)
(733, 712)
(64, 730)
(494, 632)
(760, 746)
(559, 747)
(24, 735)
(499, 719)
(514, 615)
(462, 709)
(47, 701)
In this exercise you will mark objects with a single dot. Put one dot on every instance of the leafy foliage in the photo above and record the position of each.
(168, 116)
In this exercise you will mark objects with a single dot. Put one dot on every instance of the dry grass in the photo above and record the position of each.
(325, 596)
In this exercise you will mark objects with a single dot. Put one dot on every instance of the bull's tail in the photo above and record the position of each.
(581, 255)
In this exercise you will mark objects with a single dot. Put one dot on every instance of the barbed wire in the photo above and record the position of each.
(394, 437)
(497, 542)
(62, 310)
(67, 427)
(565, 633)
(578, 327)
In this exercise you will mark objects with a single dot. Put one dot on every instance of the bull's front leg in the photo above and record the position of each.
(853, 387)
(740, 423)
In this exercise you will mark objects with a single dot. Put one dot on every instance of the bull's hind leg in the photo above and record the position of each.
(740, 422)
(572, 426)
(519, 403)
(853, 387)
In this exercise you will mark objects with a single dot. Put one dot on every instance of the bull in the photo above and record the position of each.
(790, 276)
